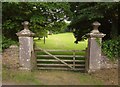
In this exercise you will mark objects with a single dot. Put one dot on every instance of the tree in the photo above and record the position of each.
(86, 13)
(42, 17)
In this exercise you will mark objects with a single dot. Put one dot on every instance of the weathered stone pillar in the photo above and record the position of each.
(25, 47)
(94, 48)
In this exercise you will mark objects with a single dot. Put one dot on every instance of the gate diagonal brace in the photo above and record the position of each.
(57, 59)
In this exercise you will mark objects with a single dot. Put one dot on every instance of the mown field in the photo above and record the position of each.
(63, 41)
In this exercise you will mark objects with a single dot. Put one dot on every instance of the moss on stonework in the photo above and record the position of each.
(98, 41)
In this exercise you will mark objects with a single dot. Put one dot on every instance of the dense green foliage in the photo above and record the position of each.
(112, 48)
(84, 14)
(42, 16)
(0, 43)
(51, 15)
(7, 42)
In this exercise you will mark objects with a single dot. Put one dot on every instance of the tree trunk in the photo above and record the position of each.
(38, 38)
(44, 39)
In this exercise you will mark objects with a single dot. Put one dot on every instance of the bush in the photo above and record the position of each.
(6, 42)
(111, 48)
(0, 43)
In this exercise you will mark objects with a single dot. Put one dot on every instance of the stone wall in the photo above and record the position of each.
(10, 57)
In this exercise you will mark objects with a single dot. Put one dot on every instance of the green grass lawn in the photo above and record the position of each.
(63, 41)
(18, 77)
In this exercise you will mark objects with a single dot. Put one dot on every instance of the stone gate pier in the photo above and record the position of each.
(94, 56)
(25, 47)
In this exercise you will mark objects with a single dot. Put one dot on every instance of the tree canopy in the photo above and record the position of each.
(86, 13)
(42, 16)
(50, 16)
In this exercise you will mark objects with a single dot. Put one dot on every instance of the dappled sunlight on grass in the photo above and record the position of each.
(61, 41)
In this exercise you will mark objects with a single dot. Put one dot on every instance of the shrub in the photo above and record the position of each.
(0, 43)
(111, 48)
(6, 42)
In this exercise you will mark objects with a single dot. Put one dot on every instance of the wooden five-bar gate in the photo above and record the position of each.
(49, 59)
(60, 59)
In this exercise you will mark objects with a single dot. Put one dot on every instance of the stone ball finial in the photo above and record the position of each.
(25, 24)
(95, 24)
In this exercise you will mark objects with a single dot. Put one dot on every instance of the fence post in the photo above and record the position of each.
(94, 48)
(25, 47)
